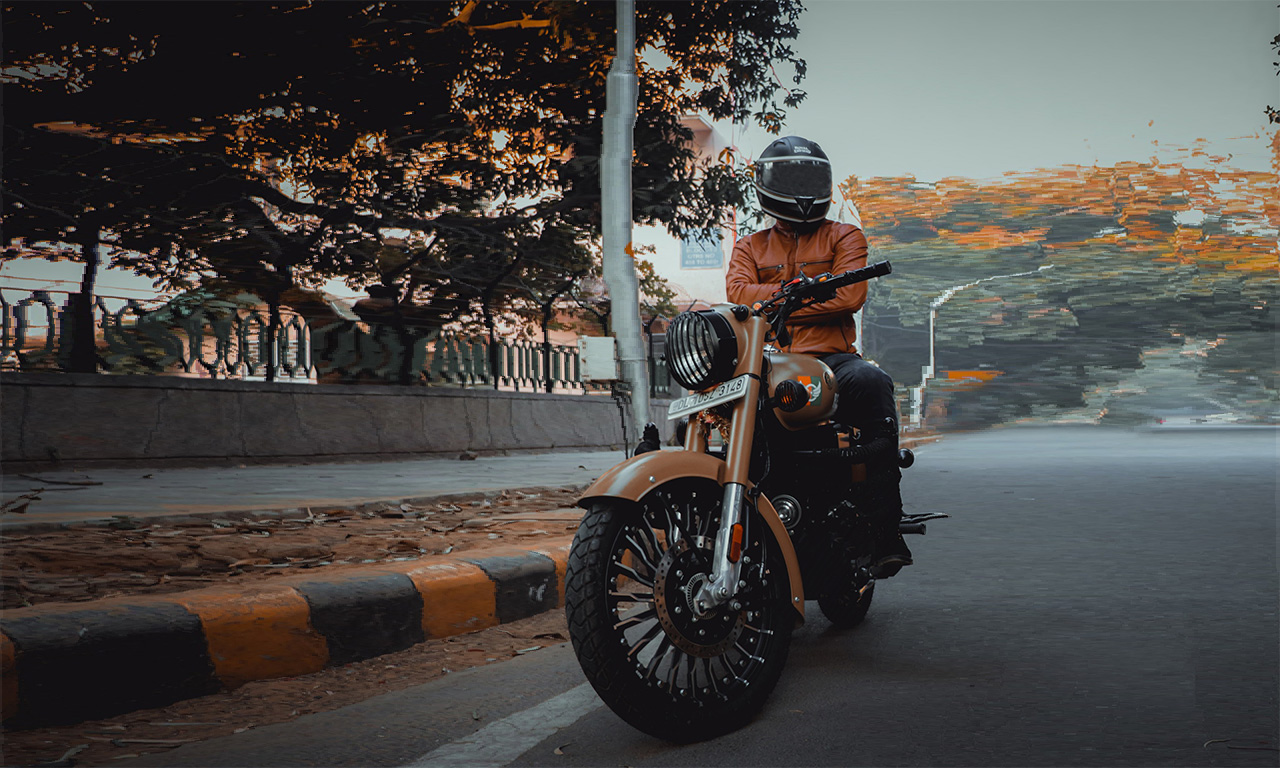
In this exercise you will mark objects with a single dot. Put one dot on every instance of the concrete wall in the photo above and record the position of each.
(85, 420)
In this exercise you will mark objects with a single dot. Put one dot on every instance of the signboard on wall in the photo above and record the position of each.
(701, 253)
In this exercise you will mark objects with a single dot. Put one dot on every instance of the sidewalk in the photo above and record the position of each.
(161, 494)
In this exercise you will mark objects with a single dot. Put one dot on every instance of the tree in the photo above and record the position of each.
(1145, 255)
(422, 147)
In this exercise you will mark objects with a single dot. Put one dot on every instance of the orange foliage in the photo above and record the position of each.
(1243, 208)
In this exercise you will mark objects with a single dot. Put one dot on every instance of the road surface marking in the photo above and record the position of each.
(502, 741)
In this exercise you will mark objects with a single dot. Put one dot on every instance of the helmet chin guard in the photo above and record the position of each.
(793, 180)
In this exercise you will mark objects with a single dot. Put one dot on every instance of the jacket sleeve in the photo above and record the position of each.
(740, 279)
(850, 253)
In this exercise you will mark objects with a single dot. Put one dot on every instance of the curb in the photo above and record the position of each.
(67, 663)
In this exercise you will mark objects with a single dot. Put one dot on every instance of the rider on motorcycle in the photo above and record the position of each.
(794, 185)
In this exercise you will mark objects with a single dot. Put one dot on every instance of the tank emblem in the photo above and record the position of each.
(813, 385)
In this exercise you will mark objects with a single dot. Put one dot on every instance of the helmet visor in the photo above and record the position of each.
(795, 177)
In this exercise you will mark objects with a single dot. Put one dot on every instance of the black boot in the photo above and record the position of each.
(884, 477)
(890, 550)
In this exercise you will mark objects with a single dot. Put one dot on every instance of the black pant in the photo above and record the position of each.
(866, 400)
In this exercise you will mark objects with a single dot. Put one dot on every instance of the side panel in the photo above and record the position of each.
(637, 476)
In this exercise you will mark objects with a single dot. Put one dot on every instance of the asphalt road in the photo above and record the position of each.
(1099, 598)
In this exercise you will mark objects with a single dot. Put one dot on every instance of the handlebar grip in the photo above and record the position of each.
(879, 269)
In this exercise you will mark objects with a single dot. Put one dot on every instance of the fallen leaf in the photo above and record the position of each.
(249, 561)
(560, 749)
(60, 482)
(66, 756)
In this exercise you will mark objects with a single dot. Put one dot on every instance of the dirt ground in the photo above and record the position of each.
(131, 558)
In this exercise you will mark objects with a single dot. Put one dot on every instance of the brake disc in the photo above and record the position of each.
(682, 571)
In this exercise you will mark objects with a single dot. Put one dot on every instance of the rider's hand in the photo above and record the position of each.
(821, 292)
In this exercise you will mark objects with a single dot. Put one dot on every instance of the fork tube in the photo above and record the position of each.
(743, 427)
(724, 574)
(694, 437)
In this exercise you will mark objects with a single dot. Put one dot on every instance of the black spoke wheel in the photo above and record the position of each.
(846, 601)
(847, 608)
(660, 662)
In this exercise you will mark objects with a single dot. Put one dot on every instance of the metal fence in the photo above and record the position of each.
(222, 340)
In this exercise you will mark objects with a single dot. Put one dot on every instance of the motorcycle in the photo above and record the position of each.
(691, 567)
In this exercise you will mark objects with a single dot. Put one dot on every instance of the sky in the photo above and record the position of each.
(937, 88)
(974, 88)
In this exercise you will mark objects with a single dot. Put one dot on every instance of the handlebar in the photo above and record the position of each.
(803, 291)
(879, 269)
(822, 287)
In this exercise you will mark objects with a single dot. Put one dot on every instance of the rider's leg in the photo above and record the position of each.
(866, 402)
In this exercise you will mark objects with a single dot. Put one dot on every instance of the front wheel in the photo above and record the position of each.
(660, 665)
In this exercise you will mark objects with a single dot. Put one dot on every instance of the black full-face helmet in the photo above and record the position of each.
(793, 180)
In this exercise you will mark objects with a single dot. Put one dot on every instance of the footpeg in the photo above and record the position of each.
(915, 523)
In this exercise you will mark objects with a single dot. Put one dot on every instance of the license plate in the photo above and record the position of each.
(727, 392)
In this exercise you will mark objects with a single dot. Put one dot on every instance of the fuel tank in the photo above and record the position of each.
(815, 376)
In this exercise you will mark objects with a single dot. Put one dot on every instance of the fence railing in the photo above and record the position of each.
(227, 341)
(223, 342)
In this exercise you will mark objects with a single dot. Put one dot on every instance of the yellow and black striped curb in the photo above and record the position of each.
(67, 663)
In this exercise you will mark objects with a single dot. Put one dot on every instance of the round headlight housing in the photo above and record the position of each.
(701, 349)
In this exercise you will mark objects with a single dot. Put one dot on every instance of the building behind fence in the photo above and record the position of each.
(224, 340)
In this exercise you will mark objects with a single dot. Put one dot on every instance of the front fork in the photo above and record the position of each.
(732, 537)
(726, 565)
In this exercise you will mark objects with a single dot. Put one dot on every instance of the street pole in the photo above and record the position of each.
(615, 187)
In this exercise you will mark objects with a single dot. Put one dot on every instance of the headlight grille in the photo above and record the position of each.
(701, 349)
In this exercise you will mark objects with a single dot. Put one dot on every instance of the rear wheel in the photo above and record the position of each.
(658, 663)
(849, 607)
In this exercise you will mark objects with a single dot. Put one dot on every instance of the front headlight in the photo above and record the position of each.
(701, 349)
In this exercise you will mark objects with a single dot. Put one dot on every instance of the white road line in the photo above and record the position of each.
(502, 741)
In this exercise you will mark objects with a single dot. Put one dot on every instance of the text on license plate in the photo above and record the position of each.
(726, 392)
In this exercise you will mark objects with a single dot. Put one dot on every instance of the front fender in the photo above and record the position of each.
(636, 477)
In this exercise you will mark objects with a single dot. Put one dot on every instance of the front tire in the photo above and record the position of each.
(662, 668)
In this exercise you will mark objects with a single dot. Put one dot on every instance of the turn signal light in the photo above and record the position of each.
(735, 543)
(790, 396)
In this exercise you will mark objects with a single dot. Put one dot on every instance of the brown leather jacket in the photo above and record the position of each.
(762, 261)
